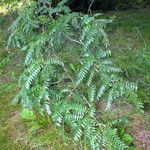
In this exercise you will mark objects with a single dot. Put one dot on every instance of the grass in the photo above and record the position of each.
(8, 88)
(130, 38)
(131, 28)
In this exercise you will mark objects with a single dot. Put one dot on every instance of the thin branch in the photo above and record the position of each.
(74, 40)
(89, 9)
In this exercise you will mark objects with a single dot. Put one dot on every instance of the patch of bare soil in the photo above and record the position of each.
(17, 131)
(4, 79)
(141, 132)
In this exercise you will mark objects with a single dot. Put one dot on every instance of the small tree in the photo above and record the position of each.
(68, 69)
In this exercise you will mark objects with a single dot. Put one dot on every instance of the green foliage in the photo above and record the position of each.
(4, 60)
(127, 138)
(66, 90)
(27, 114)
(131, 4)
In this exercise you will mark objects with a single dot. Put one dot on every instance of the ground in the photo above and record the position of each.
(130, 37)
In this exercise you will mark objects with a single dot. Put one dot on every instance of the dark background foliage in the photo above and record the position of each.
(106, 5)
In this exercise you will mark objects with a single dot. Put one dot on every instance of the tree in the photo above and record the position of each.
(68, 69)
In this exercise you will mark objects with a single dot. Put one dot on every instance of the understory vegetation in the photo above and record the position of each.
(77, 88)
